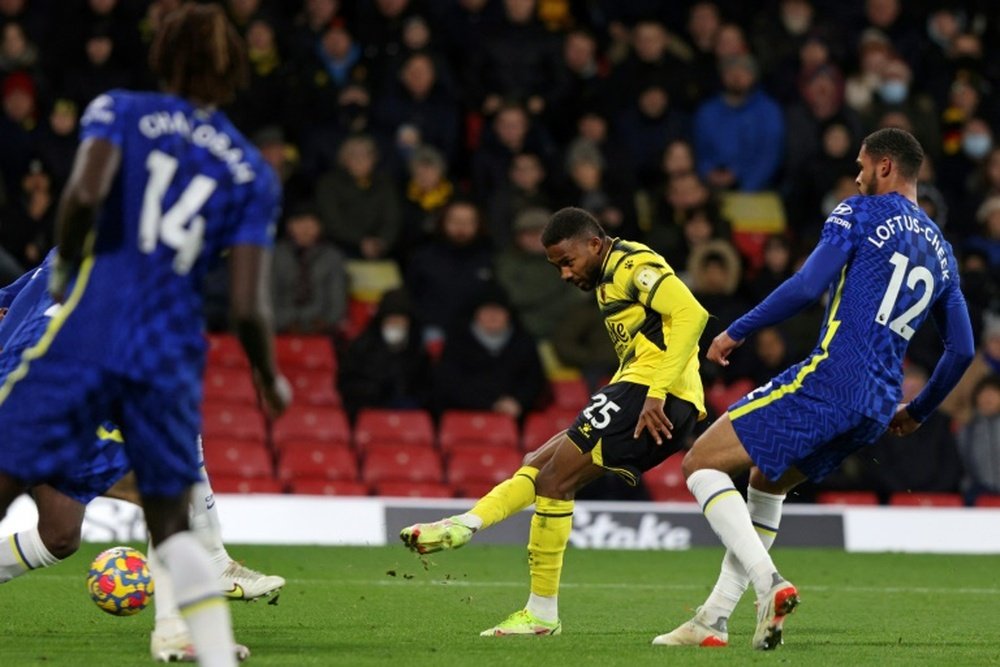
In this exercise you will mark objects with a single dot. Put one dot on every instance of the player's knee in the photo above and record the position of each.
(61, 540)
(551, 484)
(690, 463)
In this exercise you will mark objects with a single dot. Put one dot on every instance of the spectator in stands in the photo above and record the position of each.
(511, 133)
(387, 365)
(418, 110)
(16, 125)
(666, 210)
(986, 239)
(444, 273)
(959, 173)
(309, 279)
(357, 204)
(887, 17)
(779, 36)
(647, 125)
(704, 22)
(524, 188)
(27, 228)
(98, 70)
(489, 362)
(309, 26)
(979, 440)
(55, 141)
(651, 64)
(585, 84)
(874, 51)
(595, 126)
(17, 52)
(524, 272)
(427, 193)
(263, 102)
(777, 268)
(927, 461)
(895, 93)
(592, 188)
(819, 173)
(739, 134)
(517, 59)
(381, 25)
(771, 355)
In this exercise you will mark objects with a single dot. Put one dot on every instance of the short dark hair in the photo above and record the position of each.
(198, 54)
(571, 223)
(898, 145)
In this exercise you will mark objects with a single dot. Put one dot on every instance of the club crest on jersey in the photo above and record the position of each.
(843, 208)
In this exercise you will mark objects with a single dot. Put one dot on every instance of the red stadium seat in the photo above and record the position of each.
(539, 427)
(317, 461)
(311, 424)
(414, 490)
(314, 388)
(314, 353)
(323, 487)
(926, 499)
(472, 490)
(401, 463)
(225, 351)
(411, 427)
(461, 428)
(665, 482)
(237, 458)
(720, 396)
(232, 421)
(229, 385)
(570, 395)
(847, 498)
(481, 464)
(988, 500)
(226, 484)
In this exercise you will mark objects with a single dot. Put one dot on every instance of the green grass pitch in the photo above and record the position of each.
(381, 606)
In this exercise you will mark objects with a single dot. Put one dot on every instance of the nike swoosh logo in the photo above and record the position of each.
(235, 593)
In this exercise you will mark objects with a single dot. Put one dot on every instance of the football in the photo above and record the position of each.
(119, 581)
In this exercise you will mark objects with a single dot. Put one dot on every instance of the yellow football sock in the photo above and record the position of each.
(508, 497)
(550, 528)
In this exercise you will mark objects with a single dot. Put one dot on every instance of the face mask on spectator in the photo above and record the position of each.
(977, 145)
(893, 92)
(394, 335)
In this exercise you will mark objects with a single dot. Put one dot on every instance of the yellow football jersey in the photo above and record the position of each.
(654, 322)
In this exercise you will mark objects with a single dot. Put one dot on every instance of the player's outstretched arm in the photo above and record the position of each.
(791, 296)
(94, 169)
(250, 301)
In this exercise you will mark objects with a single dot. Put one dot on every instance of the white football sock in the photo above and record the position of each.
(22, 552)
(469, 520)
(726, 512)
(205, 611)
(204, 519)
(164, 599)
(765, 512)
(544, 607)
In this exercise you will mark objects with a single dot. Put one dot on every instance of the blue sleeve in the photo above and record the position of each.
(794, 294)
(10, 292)
(259, 215)
(104, 118)
(951, 316)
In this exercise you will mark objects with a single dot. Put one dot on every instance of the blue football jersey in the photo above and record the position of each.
(189, 186)
(898, 266)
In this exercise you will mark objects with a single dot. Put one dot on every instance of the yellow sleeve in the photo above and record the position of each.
(670, 297)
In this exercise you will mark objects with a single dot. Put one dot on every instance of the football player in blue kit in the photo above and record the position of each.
(25, 311)
(162, 184)
(887, 267)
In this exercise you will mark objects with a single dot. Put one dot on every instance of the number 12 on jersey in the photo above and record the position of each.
(179, 228)
(916, 275)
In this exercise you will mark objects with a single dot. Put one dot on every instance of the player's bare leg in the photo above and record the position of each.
(564, 473)
(55, 537)
(716, 455)
(505, 499)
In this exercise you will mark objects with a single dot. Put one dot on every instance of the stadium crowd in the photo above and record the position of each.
(423, 144)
